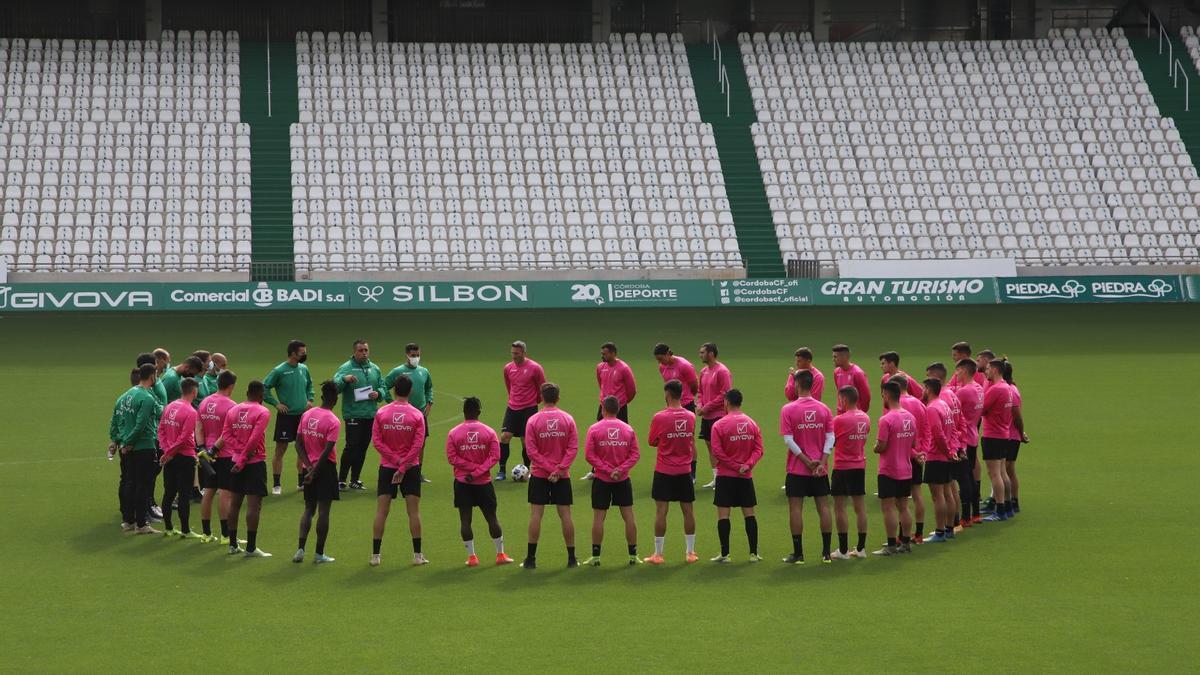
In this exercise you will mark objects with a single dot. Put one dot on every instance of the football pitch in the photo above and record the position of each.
(1092, 575)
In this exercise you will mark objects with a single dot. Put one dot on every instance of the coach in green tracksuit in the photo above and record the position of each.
(353, 375)
(421, 397)
(217, 364)
(133, 430)
(292, 383)
(172, 378)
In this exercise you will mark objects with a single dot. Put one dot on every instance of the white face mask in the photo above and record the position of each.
(414, 361)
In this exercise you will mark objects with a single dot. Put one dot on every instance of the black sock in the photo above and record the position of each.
(251, 539)
(891, 542)
(752, 534)
(633, 549)
(299, 477)
(723, 534)
(531, 551)
(862, 540)
(843, 541)
(825, 537)
(416, 544)
(276, 476)
(797, 546)
(939, 532)
(206, 524)
(303, 540)
(233, 537)
(595, 550)
(375, 545)
(1015, 504)
(570, 553)
(693, 469)
(905, 540)
(224, 528)
(920, 528)
(504, 451)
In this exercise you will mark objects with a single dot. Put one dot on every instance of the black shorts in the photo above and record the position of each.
(806, 486)
(467, 495)
(962, 473)
(622, 414)
(605, 494)
(516, 420)
(251, 480)
(1014, 448)
(208, 481)
(938, 473)
(893, 488)
(224, 467)
(409, 485)
(324, 485)
(542, 491)
(994, 449)
(673, 488)
(706, 428)
(179, 474)
(690, 407)
(848, 483)
(285, 427)
(918, 473)
(972, 456)
(734, 491)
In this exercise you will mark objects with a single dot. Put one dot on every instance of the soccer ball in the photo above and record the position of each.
(520, 472)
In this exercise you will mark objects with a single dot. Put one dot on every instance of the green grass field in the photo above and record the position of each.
(1093, 575)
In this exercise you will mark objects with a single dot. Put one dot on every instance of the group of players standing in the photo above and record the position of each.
(929, 433)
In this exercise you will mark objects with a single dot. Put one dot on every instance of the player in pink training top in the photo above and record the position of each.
(523, 380)
(472, 449)
(615, 378)
(958, 452)
(895, 443)
(738, 446)
(941, 454)
(1016, 436)
(673, 367)
(673, 434)
(399, 435)
(611, 447)
(213, 410)
(982, 359)
(962, 350)
(806, 426)
(177, 439)
(848, 374)
(804, 361)
(245, 434)
(997, 425)
(552, 441)
(916, 408)
(970, 400)
(316, 439)
(889, 363)
(850, 430)
(715, 380)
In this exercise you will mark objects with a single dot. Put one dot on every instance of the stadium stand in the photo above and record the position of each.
(124, 156)
(514, 156)
(1051, 151)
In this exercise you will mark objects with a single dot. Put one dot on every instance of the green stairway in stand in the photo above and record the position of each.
(270, 157)
(1170, 99)
(735, 146)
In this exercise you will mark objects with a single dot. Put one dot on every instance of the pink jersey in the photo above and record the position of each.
(789, 389)
(673, 433)
(681, 369)
(399, 435)
(981, 379)
(177, 429)
(551, 442)
(808, 422)
(914, 387)
(854, 377)
(970, 399)
(318, 427)
(898, 435)
(213, 409)
(850, 431)
(1013, 434)
(245, 433)
(940, 422)
(951, 400)
(715, 380)
(611, 445)
(616, 380)
(524, 384)
(917, 409)
(997, 410)
(736, 441)
(472, 449)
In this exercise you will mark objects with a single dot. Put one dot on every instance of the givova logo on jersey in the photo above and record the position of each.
(614, 439)
(861, 430)
(681, 430)
(552, 430)
(810, 421)
(472, 442)
(741, 433)
(397, 423)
